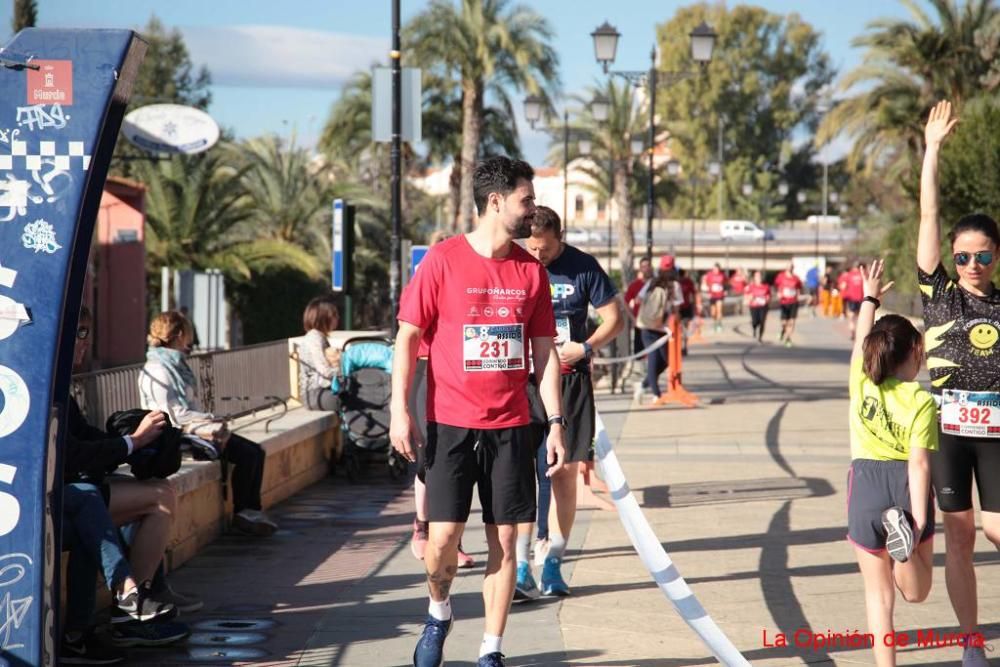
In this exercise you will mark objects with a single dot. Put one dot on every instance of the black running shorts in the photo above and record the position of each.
(501, 462)
(852, 306)
(789, 311)
(872, 488)
(686, 313)
(578, 409)
(956, 462)
(417, 403)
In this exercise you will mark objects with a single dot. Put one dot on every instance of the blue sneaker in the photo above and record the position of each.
(492, 660)
(525, 588)
(430, 648)
(552, 581)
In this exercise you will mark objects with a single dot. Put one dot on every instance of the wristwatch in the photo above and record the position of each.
(588, 350)
(557, 419)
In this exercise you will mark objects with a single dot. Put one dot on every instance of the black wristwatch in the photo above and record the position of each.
(588, 350)
(873, 300)
(557, 419)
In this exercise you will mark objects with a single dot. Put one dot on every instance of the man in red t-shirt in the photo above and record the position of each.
(788, 286)
(758, 298)
(737, 286)
(633, 301)
(853, 293)
(482, 301)
(714, 283)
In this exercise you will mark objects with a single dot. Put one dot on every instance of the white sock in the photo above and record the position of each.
(491, 644)
(557, 546)
(521, 548)
(440, 610)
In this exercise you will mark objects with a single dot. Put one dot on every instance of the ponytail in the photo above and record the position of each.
(888, 346)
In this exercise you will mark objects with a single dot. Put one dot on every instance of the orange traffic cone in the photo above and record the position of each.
(676, 393)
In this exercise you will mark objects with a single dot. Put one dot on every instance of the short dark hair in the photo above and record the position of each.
(321, 314)
(976, 222)
(546, 220)
(498, 174)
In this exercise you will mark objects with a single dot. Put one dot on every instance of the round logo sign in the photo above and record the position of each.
(170, 129)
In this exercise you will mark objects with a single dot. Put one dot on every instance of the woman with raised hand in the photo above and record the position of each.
(893, 427)
(962, 321)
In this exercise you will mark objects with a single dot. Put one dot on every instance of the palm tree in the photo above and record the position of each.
(197, 220)
(611, 167)
(908, 67)
(481, 43)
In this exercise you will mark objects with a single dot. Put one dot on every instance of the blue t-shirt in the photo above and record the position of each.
(812, 278)
(576, 281)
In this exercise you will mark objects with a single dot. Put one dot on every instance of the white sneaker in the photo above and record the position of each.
(254, 522)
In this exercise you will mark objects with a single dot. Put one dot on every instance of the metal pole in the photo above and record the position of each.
(722, 171)
(397, 223)
(565, 169)
(652, 144)
(822, 219)
(611, 192)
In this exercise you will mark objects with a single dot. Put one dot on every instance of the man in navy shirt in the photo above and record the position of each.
(577, 282)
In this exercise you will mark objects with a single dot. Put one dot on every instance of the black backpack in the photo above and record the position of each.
(160, 458)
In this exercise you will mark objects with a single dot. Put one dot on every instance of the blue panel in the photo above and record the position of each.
(417, 254)
(58, 124)
(337, 270)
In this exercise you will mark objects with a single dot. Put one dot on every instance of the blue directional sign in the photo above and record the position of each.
(62, 98)
(339, 275)
(417, 254)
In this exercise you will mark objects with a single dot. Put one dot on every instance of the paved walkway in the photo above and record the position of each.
(746, 493)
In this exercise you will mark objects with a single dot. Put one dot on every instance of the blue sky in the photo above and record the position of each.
(279, 66)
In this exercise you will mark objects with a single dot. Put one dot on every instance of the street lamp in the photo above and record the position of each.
(600, 108)
(606, 44)
(673, 167)
(637, 146)
(584, 147)
(533, 109)
(783, 189)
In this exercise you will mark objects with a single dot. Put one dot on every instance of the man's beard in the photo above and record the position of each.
(522, 228)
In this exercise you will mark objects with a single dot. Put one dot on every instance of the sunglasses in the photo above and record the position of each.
(83, 333)
(983, 258)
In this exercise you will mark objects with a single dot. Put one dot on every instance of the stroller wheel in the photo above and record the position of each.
(352, 467)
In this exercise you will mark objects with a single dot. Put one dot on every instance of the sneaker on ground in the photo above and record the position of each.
(430, 648)
(418, 541)
(898, 534)
(88, 650)
(495, 659)
(788, 343)
(552, 581)
(525, 588)
(139, 606)
(186, 603)
(254, 522)
(465, 561)
(541, 552)
(148, 634)
(974, 656)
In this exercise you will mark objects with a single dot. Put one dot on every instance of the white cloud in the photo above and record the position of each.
(270, 55)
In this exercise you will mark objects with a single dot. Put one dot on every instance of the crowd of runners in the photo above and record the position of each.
(492, 390)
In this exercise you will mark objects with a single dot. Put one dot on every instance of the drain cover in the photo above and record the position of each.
(224, 625)
(224, 654)
(226, 638)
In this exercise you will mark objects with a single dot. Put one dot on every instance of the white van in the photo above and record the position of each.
(742, 230)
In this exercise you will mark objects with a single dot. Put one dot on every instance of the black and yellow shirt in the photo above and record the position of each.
(961, 334)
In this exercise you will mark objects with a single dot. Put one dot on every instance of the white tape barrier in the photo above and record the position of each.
(656, 559)
(607, 361)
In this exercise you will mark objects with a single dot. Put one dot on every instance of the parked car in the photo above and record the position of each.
(578, 236)
(743, 230)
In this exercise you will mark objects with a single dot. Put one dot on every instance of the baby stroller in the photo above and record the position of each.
(364, 388)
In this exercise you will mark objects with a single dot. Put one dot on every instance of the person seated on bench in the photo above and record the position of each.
(93, 504)
(319, 362)
(167, 383)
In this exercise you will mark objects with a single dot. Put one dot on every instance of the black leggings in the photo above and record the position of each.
(247, 458)
(757, 317)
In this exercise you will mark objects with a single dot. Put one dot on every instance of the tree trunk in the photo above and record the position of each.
(471, 127)
(626, 233)
(455, 194)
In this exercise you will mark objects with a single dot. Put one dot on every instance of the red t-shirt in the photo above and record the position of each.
(855, 289)
(688, 290)
(716, 282)
(842, 283)
(632, 292)
(788, 288)
(760, 295)
(479, 315)
(738, 283)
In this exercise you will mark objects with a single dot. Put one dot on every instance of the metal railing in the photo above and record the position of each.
(231, 383)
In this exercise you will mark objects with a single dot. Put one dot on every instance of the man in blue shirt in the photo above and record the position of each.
(577, 282)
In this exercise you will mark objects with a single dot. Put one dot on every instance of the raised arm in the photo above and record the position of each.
(939, 124)
(866, 316)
